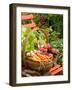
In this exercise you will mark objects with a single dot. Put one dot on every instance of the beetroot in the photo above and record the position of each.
(54, 51)
(47, 46)
(50, 54)
(43, 49)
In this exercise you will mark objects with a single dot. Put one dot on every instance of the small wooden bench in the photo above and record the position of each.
(27, 17)
(56, 69)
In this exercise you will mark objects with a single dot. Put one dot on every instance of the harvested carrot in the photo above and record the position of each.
(54, 68)
(27, 17)
(42, 57)
(46, 56)
(57, 71)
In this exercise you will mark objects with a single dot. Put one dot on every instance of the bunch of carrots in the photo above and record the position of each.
(44, 57)
(39, 56)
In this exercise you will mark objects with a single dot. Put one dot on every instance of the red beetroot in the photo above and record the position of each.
(50, 55)
(54, 51)
(45, 46)
(48, 46)
(43, 49)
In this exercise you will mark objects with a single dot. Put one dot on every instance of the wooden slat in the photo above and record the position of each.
(57, 71)
(27, 17)
(54, 68)
(32, 25)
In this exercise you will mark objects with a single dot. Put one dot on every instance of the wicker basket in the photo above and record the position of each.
(40, 65)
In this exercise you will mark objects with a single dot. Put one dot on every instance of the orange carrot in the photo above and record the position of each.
(54, 68)
(42, 57)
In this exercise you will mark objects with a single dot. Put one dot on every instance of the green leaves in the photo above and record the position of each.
(58, 44)
(40, 36)
(24, 33)
(53, 20)
(32, 40)
(27, 41)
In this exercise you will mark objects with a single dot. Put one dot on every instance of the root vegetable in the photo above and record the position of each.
(50, 56)
(48, 46)
(42, 57)
(43, 49)
(54, 51)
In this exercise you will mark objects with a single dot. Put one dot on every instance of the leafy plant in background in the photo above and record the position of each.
(53, 20)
